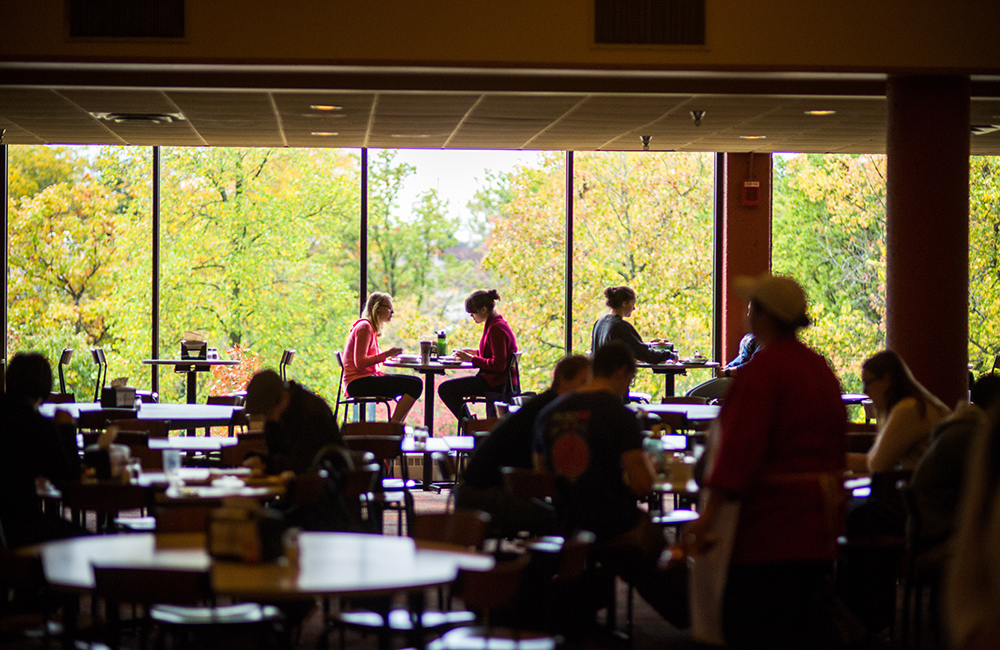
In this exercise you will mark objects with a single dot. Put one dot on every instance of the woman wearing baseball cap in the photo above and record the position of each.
(773, 483)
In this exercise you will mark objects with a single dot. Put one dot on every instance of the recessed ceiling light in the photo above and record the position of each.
(325, 133)
(822, 112)
(409, 135)
(326, 107)
(752, 137)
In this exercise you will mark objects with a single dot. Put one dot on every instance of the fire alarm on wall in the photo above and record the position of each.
(751, 194)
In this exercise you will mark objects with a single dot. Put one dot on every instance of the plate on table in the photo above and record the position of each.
(449, 361)
(408, 358)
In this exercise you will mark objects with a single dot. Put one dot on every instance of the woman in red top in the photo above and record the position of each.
(362, 356)
(493, 357)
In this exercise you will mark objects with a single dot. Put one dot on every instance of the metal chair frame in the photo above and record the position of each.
(361, 402)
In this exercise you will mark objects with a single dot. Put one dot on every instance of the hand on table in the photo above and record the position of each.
(465, 354)
(393, 352)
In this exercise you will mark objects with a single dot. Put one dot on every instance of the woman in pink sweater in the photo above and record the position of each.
(362, 357)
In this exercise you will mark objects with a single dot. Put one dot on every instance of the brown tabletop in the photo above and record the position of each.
(330, 564)
(178, 416)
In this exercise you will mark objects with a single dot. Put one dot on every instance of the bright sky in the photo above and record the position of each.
(455, 174)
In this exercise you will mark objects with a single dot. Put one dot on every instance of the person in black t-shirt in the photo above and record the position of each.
(594, 445)
(509, 445)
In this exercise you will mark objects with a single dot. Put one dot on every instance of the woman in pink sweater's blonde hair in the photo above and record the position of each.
(362, 357)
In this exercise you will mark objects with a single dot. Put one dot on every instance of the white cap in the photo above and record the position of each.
(781, 296)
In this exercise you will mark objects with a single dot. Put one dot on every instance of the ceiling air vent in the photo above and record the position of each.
(140, 118)
(126, 18)
(649, 22)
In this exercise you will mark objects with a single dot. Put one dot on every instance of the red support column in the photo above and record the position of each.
(746, 239)
(927, 230)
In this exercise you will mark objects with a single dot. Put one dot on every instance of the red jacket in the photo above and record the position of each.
(495, 350)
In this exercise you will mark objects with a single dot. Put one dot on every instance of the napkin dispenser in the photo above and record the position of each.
(247, 533)
(194, 350)
(118, 397)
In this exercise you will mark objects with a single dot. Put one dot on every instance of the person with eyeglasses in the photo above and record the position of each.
(362, 357)
(496, 347)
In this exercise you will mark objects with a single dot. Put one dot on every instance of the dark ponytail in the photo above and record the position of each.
(480, 299)
(618, 296)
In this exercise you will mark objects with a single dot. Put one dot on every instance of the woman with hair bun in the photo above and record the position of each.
(614, 327)
(496, 347)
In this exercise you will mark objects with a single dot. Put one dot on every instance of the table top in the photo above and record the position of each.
(693, 412)
(330, 564)
(180, 416)
(192, 443)
(414, 363)
(853, 398)
(677, 367)
(192, 362)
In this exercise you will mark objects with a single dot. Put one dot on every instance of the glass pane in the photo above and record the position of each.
(829, 234)
(644, 220)
(79, 260)
(438, 228)
(259, 254)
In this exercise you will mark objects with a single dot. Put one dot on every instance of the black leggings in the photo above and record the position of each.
(453, 390)
(386, 386)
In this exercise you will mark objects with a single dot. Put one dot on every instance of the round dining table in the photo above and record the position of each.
(329, 564)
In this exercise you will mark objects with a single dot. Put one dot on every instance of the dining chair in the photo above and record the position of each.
(234, 399)
(360, 402)
(97, 354)
(463, 528)
(178, 603)
(251, 442)
(105, 499)
(384, 440)
(488, 594)
(510, 389)
(64, 358)
(136, 438)
(286, 360)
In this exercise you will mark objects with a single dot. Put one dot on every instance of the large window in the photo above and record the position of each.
(645, 220)
(259, 254)
(79, 259)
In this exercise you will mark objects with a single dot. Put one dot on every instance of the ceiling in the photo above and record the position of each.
(491, 109)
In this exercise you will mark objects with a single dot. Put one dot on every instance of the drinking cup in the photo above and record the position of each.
(425, 352)
(171, 462)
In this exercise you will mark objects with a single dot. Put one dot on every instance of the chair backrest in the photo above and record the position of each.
(225, 400)
(138, 447)
(103, 498)
(462, 527)
(151, 586)
(523, 482)
(373, 429)
(63, 361)
(340, 383)
(250, 442)
(187, 518)
(97, 354)
(60, 398)
(286, 360)
(154, 428)
(487, 591)
(382, 447)
(684, 399)
(512, 382)
(474, 426)
(574, 556)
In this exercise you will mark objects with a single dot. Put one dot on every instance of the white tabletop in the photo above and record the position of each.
(330, 564)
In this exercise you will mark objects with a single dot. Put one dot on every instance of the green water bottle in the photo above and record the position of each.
(441, 345)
